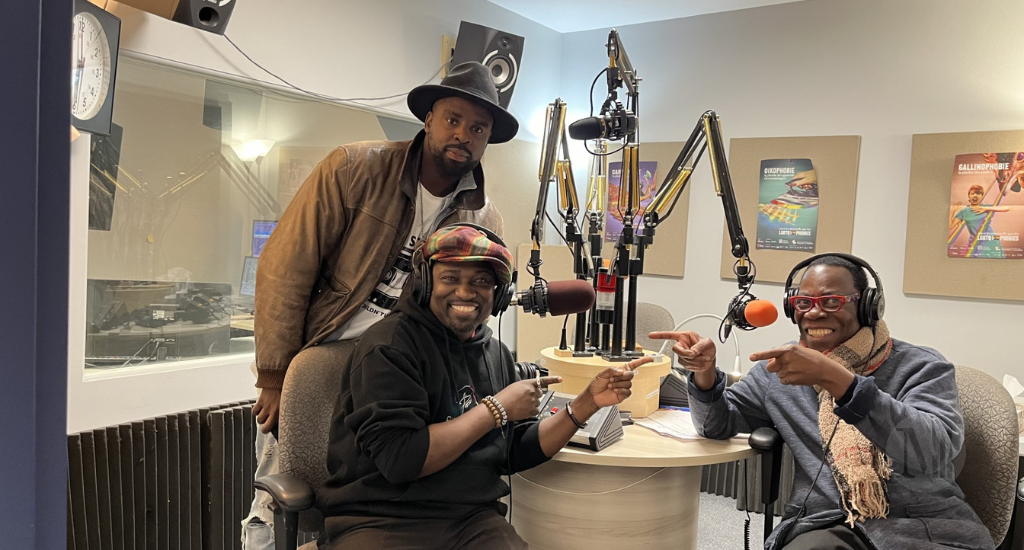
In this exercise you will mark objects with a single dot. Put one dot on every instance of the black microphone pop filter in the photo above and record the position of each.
(572, 296)
(587, 128)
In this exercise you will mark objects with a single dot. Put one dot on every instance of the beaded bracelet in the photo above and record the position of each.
(494, 402)
(494, 412)
(501, 409)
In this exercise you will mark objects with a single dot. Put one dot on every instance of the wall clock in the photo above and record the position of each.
(94, 43)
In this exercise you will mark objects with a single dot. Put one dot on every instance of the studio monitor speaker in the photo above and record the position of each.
(500, 51)
(208, 15)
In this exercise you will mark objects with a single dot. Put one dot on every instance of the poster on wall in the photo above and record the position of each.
(648, 176)
(787, 217)
(297, 170)
(296, 164)
(986, 206)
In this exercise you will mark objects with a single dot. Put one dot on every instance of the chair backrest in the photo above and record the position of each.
(649, 318)
(311, 389)
(991, 446)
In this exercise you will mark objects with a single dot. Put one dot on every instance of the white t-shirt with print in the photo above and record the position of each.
(383, 298)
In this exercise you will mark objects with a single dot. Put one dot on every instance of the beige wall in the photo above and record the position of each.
(880, 69)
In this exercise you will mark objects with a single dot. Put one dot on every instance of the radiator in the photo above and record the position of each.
(727, 479)
(182, 481)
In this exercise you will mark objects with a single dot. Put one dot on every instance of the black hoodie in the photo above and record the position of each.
(408, 372)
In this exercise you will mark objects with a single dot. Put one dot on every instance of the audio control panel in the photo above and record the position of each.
(601, 430)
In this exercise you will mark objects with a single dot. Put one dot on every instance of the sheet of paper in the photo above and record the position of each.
(675, 423)
(1012, 385)
(670, 423)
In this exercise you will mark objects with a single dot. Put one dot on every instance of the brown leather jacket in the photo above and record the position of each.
(336, 240)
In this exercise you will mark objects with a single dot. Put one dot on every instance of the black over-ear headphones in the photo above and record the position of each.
(423, 277)
(871, 305)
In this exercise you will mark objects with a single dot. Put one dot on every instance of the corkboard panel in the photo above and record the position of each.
(510, 175)
(667, 256)
(835, 159)
(928, 270)
(533, 332)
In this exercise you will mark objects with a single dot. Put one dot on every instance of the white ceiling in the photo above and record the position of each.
(581, 15)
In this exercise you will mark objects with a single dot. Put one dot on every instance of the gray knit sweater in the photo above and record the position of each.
(908, 408)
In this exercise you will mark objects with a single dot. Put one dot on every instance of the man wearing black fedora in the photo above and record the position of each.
(340, 255)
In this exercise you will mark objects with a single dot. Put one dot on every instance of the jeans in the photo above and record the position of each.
(258, 527)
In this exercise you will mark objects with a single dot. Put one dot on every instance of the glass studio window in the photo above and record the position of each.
(182, 197)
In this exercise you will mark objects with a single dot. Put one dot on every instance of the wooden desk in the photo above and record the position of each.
(243, 322)
(641, 492)
(577, 372)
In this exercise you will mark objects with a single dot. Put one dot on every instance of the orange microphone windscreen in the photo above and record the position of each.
(760, 313)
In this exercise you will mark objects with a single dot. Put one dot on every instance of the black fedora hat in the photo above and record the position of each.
(470, 80)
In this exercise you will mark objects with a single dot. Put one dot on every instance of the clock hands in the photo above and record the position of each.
(79, 62)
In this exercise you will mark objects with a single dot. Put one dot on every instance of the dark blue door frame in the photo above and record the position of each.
(35, 96)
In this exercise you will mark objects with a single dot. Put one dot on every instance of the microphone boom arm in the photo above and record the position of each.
(723, 185)
(553, 136)
(556, 165)
(707, 132)
(618, 62)
(707, 135)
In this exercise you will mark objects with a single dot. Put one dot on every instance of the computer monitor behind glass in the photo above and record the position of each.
(261, 230)
(248, 286)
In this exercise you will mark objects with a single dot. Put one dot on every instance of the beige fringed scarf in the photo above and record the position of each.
(860, 470)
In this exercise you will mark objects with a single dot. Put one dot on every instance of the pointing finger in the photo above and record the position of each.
(545, 381)
(770, 354)
(637, 363)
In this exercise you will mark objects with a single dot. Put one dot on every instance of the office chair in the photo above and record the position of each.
(650, 318)
(311, 389)
(986, 465)
(988, 477)
(1017, 540)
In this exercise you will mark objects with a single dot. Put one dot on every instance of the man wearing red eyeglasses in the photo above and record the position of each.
(874, 423)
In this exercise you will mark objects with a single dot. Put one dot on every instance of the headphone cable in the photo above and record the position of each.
(508, 441)
(824, 457)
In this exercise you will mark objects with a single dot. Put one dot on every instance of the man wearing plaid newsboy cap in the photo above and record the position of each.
(432, 416)
(464, 243)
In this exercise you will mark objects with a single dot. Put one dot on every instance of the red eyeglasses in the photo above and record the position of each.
(830, 304)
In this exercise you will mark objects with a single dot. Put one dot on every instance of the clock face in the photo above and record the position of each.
(90, 67)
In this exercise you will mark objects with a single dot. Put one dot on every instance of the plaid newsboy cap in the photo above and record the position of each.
(461, 243)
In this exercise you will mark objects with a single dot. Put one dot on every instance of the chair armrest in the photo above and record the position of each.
(765, 440)
(289, 492)
(768, 443)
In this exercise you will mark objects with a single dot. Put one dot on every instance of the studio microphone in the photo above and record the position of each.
(612, 126)
(746, 312)
(556, 297)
